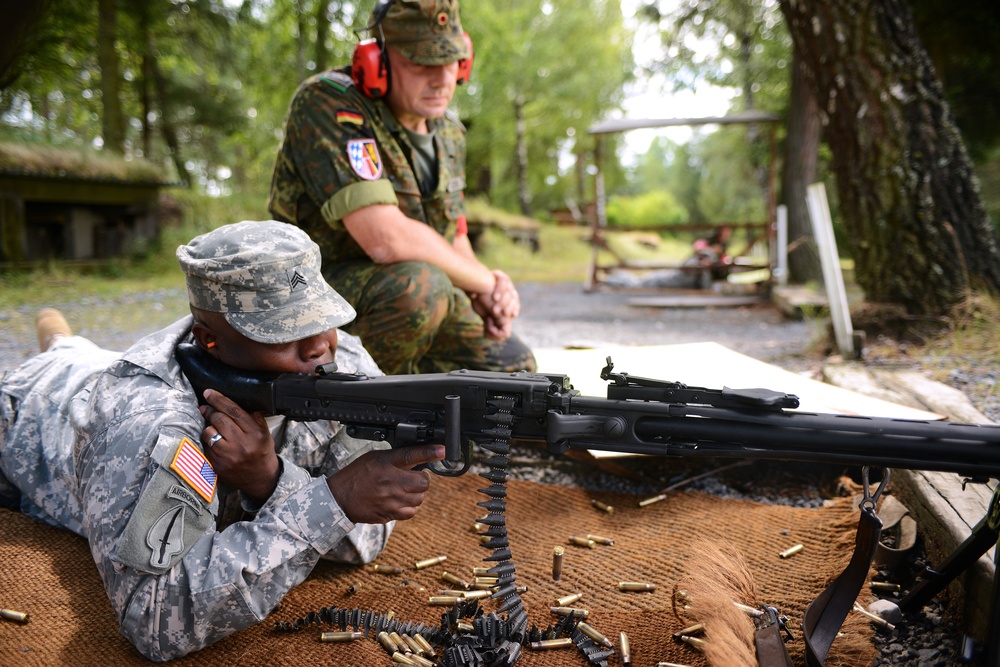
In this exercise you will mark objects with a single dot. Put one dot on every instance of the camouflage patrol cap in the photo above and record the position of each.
(265, 278)
(428, 32)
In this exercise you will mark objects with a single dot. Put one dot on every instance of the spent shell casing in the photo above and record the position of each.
(625, 647)
(477, 595)
(481, 572)
(594, 634)
(791, 551)
(455, 579)
(341, 636)
(386, 569)
(465, 627)
(486, 581)
(353, 588)
(602, 506)
(575, 612)
(654, 499)
(582, 542)
(421, 564)
(401, 659)
(695, 629)
(636, 586)
(693, 641)
(753, 612)
(557, 562)
(601, 540)
(670, 664)
(885, 586)
(521, 589)
(479, 527)
(549, 644)
(453, 593)
(444, 600)
(16, 616)
(567, 600)
(875, 618)
(411, 582)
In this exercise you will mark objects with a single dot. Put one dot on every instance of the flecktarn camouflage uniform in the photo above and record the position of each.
(342, 152)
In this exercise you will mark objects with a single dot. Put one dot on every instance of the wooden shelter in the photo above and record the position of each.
(759, 231)
(61, 205)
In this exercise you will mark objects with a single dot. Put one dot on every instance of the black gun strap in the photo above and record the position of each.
(827, 612)
(770, 647)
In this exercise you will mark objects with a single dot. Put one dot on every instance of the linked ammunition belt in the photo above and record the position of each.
(467, 636)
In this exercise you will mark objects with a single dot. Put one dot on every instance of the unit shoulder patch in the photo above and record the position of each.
(364, 158)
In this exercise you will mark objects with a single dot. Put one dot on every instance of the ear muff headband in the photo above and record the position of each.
(370, 63)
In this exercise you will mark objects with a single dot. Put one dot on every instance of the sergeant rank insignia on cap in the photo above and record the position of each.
(350, 117)
(364, 158)
(192, 466)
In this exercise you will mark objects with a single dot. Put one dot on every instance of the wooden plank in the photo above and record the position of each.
(944, 399)
(861, 380)
(694, 301)
(833, 279)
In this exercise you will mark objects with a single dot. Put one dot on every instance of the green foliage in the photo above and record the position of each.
(566, 62)
(651, 209)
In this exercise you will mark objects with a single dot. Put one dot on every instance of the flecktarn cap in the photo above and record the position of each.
(264, 276)
(428, 32)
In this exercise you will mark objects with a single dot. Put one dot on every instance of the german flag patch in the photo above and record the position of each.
(349, 117)
(192, 466)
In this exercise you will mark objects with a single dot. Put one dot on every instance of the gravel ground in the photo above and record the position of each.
(557, 315)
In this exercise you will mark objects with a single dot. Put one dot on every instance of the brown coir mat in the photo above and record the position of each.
(49, 574)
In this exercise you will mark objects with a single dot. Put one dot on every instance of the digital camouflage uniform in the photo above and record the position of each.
(343, 151)
(185, 562)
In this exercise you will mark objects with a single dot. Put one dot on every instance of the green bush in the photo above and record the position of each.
(652, 209)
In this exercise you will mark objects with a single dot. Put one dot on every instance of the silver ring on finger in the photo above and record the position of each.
(214, 439)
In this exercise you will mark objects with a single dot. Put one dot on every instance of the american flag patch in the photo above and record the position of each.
(194, 468)
(364, 158)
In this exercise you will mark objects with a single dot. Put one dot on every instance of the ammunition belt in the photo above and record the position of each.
(494, 641)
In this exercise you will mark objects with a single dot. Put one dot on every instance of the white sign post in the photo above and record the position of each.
(822, 224)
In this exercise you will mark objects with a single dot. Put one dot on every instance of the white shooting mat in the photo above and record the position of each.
(712, 366)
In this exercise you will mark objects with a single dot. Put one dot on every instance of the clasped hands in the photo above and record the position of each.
(499, 307)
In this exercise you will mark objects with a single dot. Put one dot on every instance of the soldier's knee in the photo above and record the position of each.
(428, 289)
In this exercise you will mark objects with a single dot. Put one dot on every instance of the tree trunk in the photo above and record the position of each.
(167, 123)
(910, 202)
(521, 165)
(113, 122)
(322, 28)
(801, 151)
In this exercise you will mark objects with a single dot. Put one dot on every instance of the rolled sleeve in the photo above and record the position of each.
(356, 196)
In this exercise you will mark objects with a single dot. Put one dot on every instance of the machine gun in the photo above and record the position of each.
(639, 416)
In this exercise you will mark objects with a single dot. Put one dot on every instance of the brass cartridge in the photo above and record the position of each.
(636, 586)
(791, 551)
(421, 564)
(444, 600)
(567, 600)
(583, 542)
(549, 644)
(625, 647)
(601, 540)
(386, 569)
(594, 634)
(601, 506)
(341, 636)
(557, 562)
(575, 612)
(455, 579)
(16, 616)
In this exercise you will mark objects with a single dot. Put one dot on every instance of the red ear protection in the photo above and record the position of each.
(465, 64)
(370, 67)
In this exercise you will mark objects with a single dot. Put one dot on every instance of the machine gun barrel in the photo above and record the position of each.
(459, 407)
